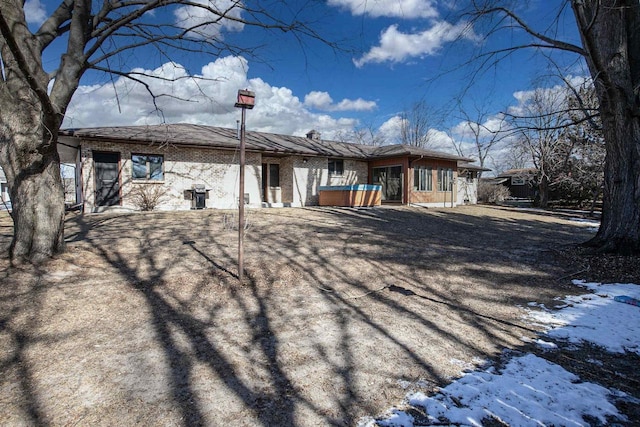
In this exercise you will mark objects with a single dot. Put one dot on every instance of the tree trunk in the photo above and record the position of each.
(542, 198)
(30, 118)
(32, 165)
(610, 32)
(620, 225)
(38, 214)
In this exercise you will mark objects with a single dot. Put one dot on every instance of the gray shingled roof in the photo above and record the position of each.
(216, 137)
(465, 165)
(518, 172)
(396, 150)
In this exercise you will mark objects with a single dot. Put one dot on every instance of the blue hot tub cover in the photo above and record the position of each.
(355, 187)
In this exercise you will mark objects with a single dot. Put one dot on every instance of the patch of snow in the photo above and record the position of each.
(547, 345)
(467, 366)
(526, 392)
(596, 318)
(590, 222)
(529, 390)
(395, 418)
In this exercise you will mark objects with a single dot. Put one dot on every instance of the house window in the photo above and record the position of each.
(422, 179)
(445, 179)
(274, 175)
(517, 180)
(336, 167)
(147, 167)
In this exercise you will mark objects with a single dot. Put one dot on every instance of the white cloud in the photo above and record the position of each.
(319, 100)
(550, 98)
(208, 99)
(207, 23)
(396, 46)
(355, 105)
(439, 140)
(390, 129)
(408, 9)
(35, 12)
(436, 139)
(323, 101)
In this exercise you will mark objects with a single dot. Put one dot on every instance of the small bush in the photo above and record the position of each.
(492, 193)
(147, 197)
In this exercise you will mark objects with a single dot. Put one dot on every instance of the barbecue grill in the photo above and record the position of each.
(198, 196)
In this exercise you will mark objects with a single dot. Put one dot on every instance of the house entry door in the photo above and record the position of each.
(271, 183)
(107, 178)
(390, 178)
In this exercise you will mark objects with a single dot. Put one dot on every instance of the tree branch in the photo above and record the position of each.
(33, 75)
(53, 26)
(551, 42)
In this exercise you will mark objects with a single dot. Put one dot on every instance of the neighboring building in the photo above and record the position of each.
(194, 165)
(68, 185)
(4, 190)
(468, 183)
(522, 183)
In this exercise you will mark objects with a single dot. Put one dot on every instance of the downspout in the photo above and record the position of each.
(454, 180)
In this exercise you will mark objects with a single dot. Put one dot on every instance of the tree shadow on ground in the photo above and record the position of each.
(338, 306)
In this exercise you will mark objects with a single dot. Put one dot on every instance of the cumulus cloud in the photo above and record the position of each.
(35, 12)
(205, 22)
(439, 140)
(319, 100)
(396, 46)
(323, 101)
(550, 98)
(205, 98)
(390, 129)
(407, 9)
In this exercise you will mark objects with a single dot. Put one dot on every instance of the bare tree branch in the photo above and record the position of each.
(550, 42)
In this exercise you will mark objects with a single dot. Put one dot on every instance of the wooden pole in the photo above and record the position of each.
(246, 99)
(241, 201)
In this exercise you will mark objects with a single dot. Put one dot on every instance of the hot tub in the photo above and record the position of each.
(350, 195)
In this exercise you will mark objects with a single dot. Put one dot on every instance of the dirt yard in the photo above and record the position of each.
(343, 311)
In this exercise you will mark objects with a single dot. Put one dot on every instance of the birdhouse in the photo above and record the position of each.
(246, 99)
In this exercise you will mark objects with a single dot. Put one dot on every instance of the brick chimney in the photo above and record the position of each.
(314, 135)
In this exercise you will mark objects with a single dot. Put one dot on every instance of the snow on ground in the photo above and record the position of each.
(596, 318)
(593, 225)
(529, 390)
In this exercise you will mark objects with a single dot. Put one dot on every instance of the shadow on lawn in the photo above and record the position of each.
(171, 321)
(398, 251)
(20, 307)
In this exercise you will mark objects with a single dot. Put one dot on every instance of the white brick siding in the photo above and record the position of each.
(218, 170)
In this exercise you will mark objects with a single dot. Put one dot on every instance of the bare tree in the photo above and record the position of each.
(364, 135)
(417, 124)
(485, 131)
(94, 35)
(515, 157)
(582, 177)
(610, 44)
(540, 128)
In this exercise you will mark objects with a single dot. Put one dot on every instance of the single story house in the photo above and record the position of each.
(198, 166)
(468, 182)
(522, 183)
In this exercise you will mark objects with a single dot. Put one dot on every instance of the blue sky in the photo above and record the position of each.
(394, 54)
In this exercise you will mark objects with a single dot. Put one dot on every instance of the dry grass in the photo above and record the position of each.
(142, 321)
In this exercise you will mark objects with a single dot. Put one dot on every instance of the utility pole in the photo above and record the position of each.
(246, 100)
